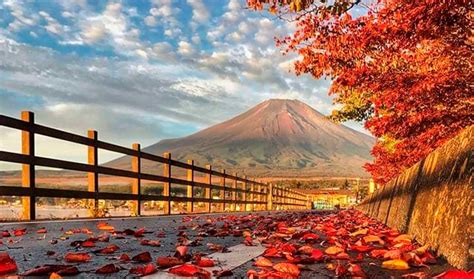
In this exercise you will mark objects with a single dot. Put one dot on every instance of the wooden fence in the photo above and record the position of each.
(253, 195)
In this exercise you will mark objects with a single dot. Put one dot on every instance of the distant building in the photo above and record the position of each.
(330, 198)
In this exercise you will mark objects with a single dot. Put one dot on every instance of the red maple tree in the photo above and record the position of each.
(404, 68)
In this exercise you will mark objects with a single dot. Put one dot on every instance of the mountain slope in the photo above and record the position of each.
(275, 138)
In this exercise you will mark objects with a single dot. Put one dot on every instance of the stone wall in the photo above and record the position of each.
(432, 200)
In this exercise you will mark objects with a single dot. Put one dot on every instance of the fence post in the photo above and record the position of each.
(270, 196)
(222, 191)
(259, 196)
(136, 185)
(167, 185)
(252, 196)
(234, 193)
(190, 188)
(207, 191)
(244, 194)
(28, 170)
(93, 177)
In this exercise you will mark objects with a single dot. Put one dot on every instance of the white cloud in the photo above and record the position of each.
(112, 25)
(94, 32)
(185, 49)
(200, 12)
(150, 21)
(53, 25)
(21, 17)
(165, 14)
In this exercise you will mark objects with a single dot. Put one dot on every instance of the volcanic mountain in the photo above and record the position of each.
(275, 138)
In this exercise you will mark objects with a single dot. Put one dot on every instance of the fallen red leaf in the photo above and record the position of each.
(88, 244)
(77, 257)
(205, 262)
(108, 250)
(378, 253)
(166, 262)
(51, 268)
(107, 269)
(263, 262)
(272, 252)
(154, 243)
(19, 232)
(317, 255)
(362, 248)
(105, 227)
(189, 270)
(455, 274)
(288, 268)
(139, 232)
(310, 237)
(124, 258)
(7, 264)
(142, 257)
(143, 270)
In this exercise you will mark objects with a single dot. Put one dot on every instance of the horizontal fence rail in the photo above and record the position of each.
(244, 194)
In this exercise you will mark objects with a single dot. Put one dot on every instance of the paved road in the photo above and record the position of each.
(31, 249)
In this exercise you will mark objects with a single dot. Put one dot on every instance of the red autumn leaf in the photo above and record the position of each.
(38, 271)
(310, 237)
(105, 227)
(222, 273)
(19, 232)
(248, 241)
(342, 256)
(455, 274)
(362, 248)
(88, 244)
(154, 243)
(189, 270)
(112, 248)
(107, 269)
(143, 270)
(50, 268)
(272, 252)
(263, 262)
(182, 251)
(6, 234)
(68, 271)
(7, 264)
(288, 268)
(144, 257)
(356, 271)
(139, 232)
(306, 249)
(378, 253)
(393, 254)
(41, 231)
(77, 257)
(317, 254)
(205, 262)
(340, 270)
(288, 248)
(124, 258)
(166, 262)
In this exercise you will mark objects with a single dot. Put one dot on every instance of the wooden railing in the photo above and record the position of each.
(254, 195)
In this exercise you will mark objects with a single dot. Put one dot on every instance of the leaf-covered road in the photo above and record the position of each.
(295, 244)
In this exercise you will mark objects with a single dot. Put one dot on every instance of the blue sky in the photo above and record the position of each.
(141, 71)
